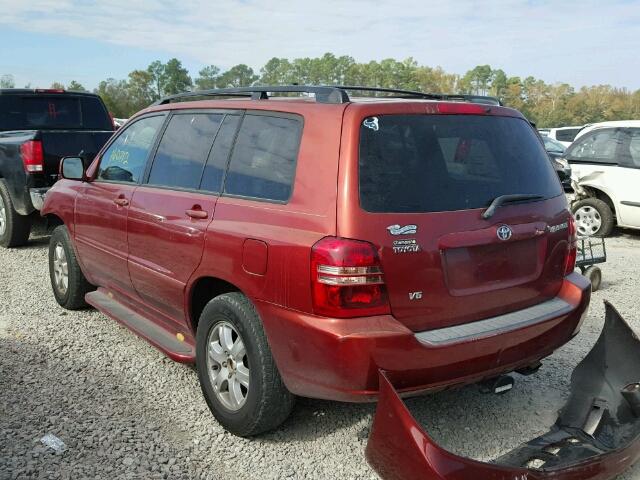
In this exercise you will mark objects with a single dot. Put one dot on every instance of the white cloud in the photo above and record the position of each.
(580, 42)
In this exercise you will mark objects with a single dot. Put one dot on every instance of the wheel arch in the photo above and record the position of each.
(53, 221)
(202, 290)
(596, 191)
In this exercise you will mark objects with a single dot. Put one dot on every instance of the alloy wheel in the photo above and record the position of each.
(228, 366)
(60, 269)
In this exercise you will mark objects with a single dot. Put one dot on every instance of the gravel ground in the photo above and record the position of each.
(125, 411)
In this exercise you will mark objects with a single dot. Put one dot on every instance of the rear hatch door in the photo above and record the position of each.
(424, 182)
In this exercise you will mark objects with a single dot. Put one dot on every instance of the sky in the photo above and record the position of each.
(578, 42)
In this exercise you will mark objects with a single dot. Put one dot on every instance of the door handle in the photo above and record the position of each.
(121, 202)
(197, 213)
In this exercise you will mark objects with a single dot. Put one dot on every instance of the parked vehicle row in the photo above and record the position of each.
(564, 135)
(37, 129)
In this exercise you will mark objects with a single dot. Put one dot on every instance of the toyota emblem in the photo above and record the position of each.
(504, 232)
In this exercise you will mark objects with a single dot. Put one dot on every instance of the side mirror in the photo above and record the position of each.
(72, 168)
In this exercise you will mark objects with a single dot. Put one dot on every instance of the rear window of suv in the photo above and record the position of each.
(41, 112)
(436, 163)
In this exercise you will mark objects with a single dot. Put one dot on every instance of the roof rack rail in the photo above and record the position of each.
(323, 93)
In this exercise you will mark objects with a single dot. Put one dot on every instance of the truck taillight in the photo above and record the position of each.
(572, 250)
(32, 156)
(347, 279)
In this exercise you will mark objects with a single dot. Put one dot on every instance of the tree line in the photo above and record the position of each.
(548, 105)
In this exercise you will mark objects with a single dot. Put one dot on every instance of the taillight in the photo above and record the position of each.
(572, 250)
(347, 279)
(32, 156)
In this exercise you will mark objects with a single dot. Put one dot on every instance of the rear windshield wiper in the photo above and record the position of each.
(502, 199)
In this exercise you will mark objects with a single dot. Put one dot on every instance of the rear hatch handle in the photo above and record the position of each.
(596, 436)
(502, 199)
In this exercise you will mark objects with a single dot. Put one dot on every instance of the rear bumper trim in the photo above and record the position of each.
(496, 325)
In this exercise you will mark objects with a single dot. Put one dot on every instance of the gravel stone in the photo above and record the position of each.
(125, 411)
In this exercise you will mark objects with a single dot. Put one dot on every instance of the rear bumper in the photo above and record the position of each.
(339, 359)
(596, 436)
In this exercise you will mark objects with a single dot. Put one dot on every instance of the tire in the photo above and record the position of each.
(61, 253)
(594, 274)
(593, 217)
(264, 402)
(14, 228)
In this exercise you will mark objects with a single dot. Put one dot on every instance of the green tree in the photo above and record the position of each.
(57, 85)
(156, 71)
(7, 81)
(277, 71)
(477, 81)
(208, 78)
(114, 94)
(237, 76)
(76, 86)
(140, 90)
(176, 78)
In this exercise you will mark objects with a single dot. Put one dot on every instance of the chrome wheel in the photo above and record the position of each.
(3, 217)
(588, 220)
(228, 366)
(60, 269)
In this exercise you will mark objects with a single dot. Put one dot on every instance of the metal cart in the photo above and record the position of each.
(591, 251)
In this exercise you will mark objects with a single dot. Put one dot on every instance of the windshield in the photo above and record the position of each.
(552, 145)
(434, 163)
(43, 112)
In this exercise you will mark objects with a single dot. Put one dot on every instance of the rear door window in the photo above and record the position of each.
(435, 163)
(599, 146)
(217, 163)
(126, 158)
(183, 150)
(264, 158)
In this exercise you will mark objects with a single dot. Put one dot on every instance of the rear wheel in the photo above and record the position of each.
(67, 280)
(594, 274)
(14, 228)
(593, 217)
(238, 376)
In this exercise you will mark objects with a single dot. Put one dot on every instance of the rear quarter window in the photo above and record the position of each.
(264, 157)
(435, 163)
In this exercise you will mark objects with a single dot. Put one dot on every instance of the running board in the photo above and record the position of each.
(164, 340)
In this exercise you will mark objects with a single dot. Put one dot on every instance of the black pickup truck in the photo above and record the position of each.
(37, 129)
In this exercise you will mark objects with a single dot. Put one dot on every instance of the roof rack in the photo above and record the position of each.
(323, 93)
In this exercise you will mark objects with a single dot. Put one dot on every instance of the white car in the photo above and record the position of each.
(564, 135)
(605, 161)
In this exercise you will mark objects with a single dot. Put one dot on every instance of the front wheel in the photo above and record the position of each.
(593, 217)
(67, 280)
(238, 376)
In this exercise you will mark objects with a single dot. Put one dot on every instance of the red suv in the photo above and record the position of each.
(295, 245)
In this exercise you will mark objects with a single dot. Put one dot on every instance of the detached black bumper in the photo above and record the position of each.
(596, 436)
